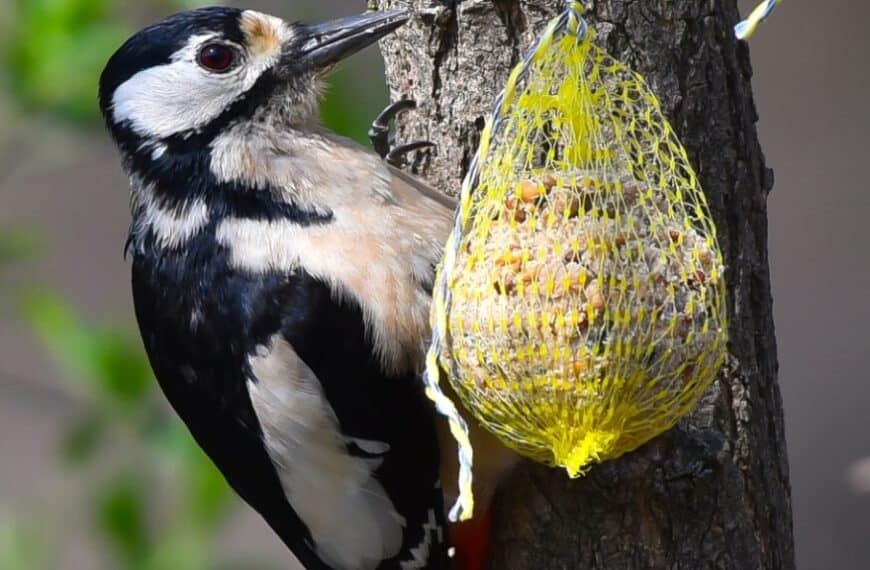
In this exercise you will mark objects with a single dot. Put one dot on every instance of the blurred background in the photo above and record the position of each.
(95, 473)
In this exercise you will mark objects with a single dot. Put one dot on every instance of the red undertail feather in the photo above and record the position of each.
(471, 541)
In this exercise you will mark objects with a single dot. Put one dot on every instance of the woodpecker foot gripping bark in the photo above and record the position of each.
(379, 134)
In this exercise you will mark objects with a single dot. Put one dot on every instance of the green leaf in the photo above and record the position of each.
(16, 245)
(168, 437)
(121, 519)
(55, 52)
(21, 548)
(109, 361)
(349, 107)
(83, 439)
(180, 549)
(243, 565)
(208, 495)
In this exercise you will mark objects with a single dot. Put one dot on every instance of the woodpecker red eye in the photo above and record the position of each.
(216, 57)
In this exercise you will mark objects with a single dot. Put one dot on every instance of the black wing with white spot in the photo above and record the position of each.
(378, 437)
(278, 384)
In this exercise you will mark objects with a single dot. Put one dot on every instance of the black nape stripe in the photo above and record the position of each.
(177, 179)
(261, 204)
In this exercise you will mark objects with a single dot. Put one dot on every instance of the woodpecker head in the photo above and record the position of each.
(177, 84)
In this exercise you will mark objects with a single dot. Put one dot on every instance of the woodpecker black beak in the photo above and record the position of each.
(323, 45)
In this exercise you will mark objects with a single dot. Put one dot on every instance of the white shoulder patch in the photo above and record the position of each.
(357, 261)
(352, 521)
(379, 249)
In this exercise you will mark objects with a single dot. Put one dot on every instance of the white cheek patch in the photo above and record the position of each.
(353, 522)
(180, 95)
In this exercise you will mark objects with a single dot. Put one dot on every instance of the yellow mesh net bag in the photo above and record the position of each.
(579, 309)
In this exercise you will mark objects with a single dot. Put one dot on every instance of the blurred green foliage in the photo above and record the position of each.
(16, 245)
(142, 527)
(54, 50)
(348, 110)
(108, 362)
(160, 502)
(21, 547)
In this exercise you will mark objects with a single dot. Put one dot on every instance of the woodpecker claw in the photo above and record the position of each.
(396, 156)
(379, 134)
(382, 121)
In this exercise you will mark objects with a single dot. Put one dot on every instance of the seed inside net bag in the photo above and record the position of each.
(579, 310)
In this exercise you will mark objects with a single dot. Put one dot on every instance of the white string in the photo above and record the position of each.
(747, 27)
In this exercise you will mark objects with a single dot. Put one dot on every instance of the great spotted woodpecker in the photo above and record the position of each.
(282, 278)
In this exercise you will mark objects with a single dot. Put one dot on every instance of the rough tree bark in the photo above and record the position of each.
(714, 491)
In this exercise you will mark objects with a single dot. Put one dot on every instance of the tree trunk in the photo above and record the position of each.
(714, 491)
